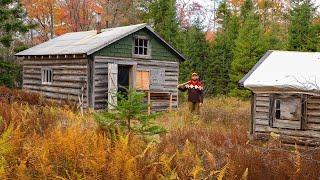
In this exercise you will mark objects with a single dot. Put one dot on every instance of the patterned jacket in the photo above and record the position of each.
(195, 90)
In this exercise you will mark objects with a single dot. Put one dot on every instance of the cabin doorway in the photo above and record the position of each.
(124, 79)
(120, 79)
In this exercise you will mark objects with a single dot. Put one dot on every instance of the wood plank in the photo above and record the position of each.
(265, 99)
(262, 109)
(262, 122)
(71, 91)
(261, 116)
(289, 139)
(313, 113)
(313, 119)
(287, 124)
(262, 103)
(313, 126)
(305, 133)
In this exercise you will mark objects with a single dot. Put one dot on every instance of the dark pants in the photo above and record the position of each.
(194, 107)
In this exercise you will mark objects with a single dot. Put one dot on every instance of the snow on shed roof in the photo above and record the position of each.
(285, 71)
(87, 42)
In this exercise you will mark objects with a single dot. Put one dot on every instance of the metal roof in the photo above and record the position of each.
(285, 70)
(87, 42)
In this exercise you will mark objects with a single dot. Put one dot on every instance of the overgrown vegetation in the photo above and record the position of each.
(129, 115)
(10, 74)
(42, 141)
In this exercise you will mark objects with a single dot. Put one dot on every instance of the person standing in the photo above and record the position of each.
(194, 88)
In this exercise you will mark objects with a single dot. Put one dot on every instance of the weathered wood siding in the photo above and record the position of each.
(263, 118)
(67, 77)
(313, 113)
(159, 101)
(262, 104)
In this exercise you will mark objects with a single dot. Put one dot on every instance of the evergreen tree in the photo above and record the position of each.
(196, 50)
(249, 48)
(246, 9)
(303, 35)
(221, 54)
(164, 17)
(11, 23)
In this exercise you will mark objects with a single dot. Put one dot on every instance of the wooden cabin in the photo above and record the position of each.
(285, 89)
(89, 67)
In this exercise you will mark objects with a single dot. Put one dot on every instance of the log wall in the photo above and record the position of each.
(159, 101)
(68, 76)
(309, 132)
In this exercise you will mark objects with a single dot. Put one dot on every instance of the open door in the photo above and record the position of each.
(112, 84)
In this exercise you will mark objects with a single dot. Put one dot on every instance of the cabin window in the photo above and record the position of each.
(143, 80)
(46, 76)
(278, 109)
(141, 46)
(287, 111)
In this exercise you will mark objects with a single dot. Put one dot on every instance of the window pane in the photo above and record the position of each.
(47, 75)
(136, 50)
(277, 104)
(50, 76)
(140, 50)
(145, 52)
(140, 42)
(145, 43)
(136, 42)
(278, 114)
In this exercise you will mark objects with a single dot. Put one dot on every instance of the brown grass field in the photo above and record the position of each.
(44, 140)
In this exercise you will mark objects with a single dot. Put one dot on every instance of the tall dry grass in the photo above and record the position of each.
(43, 140)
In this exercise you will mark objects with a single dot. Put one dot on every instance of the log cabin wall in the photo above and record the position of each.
(313, 113)
(69, 75)
(306, 132)
(159, 101)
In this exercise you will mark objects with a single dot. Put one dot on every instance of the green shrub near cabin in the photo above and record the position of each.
(10, 74)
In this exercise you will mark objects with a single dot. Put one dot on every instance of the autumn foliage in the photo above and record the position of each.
(40, 140)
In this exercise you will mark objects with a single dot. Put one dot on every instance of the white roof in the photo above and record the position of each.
(285, 71)
(87, 42)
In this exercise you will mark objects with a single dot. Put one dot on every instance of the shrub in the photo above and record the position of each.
(10, 74)
(129, 115)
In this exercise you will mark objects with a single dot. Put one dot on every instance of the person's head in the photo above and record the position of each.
(194, 76)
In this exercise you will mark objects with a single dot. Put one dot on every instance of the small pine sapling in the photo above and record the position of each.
(129, 115)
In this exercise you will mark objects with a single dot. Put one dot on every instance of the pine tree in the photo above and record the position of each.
(11, 23)
(164, 17)
(249, 48)
(221, 54)
(303, 35)
(196, 50)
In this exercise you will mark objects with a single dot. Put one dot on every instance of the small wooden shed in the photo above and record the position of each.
(285, 89)
(90, 67)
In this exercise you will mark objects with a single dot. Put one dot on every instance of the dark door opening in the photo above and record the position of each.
(123, 79)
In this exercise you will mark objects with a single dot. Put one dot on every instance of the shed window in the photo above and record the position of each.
(46, 76)
(278, 109)
(143, 80)
(141, 46)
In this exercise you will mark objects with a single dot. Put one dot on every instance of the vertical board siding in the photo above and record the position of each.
(313, 112)
(67, 78)
(159, 101)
